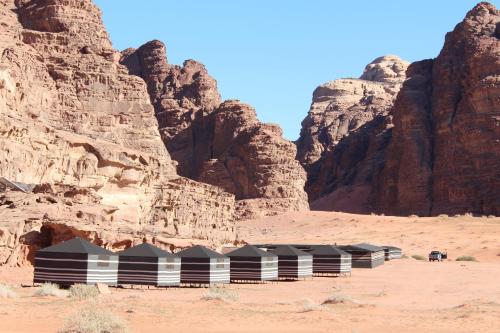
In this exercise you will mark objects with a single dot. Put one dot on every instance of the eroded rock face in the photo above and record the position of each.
(445, 152)
(219, 144)
(70, 114)
(340, 108)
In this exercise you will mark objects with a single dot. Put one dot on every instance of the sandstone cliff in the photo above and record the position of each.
(445, 153)
(220, 144)
(71, 115)
(339, 109)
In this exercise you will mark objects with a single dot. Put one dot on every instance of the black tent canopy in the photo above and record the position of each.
(75, 261)
(292, 262)
(249, 263)
(328, 259)
(365, 255)
(392, 252)
(204, 266)
(146, 264)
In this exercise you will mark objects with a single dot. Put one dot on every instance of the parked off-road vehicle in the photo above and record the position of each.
(437, 256)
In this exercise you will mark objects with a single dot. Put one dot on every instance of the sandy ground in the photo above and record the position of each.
(404, 295)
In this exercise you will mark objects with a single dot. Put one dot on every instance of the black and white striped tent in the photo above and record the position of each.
(200, 265)
(328, 259)
(76, 261)
(365, 255)
(392, 252)
(146, 264)
(250, 263)
(293, 263)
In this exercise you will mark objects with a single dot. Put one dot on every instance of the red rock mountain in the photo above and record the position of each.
(219, 144)
(341, 109)
(441, 154)
(75, 123)
(444, 156)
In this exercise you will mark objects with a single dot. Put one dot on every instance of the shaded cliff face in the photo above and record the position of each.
(339, 109)
(220, 144)
(445, 152)
(71, 115)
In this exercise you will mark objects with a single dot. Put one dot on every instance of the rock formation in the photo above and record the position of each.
(72, 116)
(440, 155)
(444, 156)
(340, 108)
(219, 144)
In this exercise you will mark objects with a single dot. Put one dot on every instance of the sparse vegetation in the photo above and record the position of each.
(7, 292)
(466, 258)
(94, 320)
(83, 291)
(418, 257)
(50, 289)
(219, 294)
(404, 256)
(340, 299)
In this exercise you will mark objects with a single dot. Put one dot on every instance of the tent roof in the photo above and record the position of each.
(288, 250)
(327, 250)
(77, 245)
(146, 250)
(199, 251)
(362, 246)
(249, 251)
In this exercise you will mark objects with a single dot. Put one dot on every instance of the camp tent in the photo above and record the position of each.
(392, 252)
(75, 261)
(200, 265)
(146, 264)
(293, 263)
(328, 259)
(250, 263)
(365, 255)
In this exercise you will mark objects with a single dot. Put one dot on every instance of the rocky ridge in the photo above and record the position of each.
(340, 108)
(444, 157)
(71, 115)
(222, 144)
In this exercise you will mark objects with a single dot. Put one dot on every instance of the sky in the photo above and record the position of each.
(273, 54)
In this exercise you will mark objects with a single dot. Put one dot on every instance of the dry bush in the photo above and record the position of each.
(7, 292)
(50, 289)
(418, 257)
(93, 319)
(340, 299)
(219, 294)
(466, 258)
(83, 291)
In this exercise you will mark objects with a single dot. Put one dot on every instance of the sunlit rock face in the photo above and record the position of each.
(72, 115)
(222, 144)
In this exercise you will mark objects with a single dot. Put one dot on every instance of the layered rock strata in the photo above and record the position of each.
(71, 115)
(223, 144)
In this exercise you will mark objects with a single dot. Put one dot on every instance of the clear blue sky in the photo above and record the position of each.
(272, 54)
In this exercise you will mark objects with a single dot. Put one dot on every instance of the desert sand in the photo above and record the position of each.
(405, 295)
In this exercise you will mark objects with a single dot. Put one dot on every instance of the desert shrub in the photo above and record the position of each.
(219, 294)
(7, 292)
(404, 256)
(50, 289)
(83, 291)
(93, 319)
(418, 257)
(466, 258)
(340, 299)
